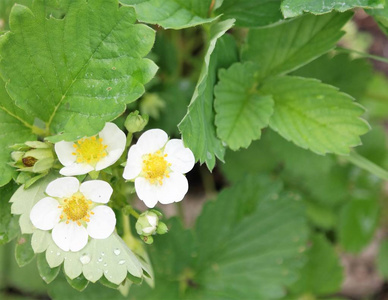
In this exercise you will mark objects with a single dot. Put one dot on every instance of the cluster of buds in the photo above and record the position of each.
(33, 159)
(148, 224)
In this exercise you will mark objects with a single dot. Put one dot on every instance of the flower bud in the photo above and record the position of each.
(147, 223)
(135, 122)
(33, 156)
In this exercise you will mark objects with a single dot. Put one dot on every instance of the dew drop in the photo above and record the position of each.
(105, 264)
(58, 253)
(106, 272)
(102, 253)
(121, 262)
(100, 259)
(85, 259)
(117, 251)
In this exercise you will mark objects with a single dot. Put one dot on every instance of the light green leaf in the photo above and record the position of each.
(107, 257)
(47, 273)
(289, 45)
(251, 13)
(314, 115)
(9, 227)
(75, 73)
(293, 8)
(241, 111)
(357, 224)
(197, 127)
(172, 14)
(250, 242)
(23, 251)
(24, 199)
(323, 274)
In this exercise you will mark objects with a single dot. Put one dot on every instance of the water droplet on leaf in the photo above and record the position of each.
(117, 251)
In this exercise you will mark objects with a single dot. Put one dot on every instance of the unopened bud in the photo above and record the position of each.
(136, 122)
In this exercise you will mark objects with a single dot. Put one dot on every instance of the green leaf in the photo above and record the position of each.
(79, 283)
(9, 226)
(289, 45)
(15, 127)
(251, 13)
(323, 274)
(47, 273)
(172, 14)
(382, 259)
(357, 224)
(250, 242)
(75, 75)
(293, 8)
(23, 251)
(197, 127)
(241, 111)
(351, 76)
(314, 115)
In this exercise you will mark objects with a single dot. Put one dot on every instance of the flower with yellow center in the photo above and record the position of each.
(91, 153)
(157, 165)
(75, 211)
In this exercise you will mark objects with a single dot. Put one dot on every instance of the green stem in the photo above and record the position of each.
(208, 183)
(366, 55)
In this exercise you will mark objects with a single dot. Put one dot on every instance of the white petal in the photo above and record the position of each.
(98, 191)
(148, 230)
(113, 137)
(173, 189)
(182, 159)
(64, 152)
(63, 187)
(76, 169)
(153, 220)
(146, 191)
(134, 163)
(152, 140)
(45, 214)
(109, 160)
(102, 223)
(70, 236)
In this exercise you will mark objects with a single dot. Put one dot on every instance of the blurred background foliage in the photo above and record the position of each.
(324, 202)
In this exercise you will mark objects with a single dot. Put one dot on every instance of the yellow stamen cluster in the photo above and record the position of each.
(76, 208)
(155, 167)
(90, 150)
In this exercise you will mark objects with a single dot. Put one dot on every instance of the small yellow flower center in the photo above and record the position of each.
(90, 150)
(76, 208)
(155, 167)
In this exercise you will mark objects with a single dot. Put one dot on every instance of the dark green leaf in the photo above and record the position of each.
(47, 273)
(79, 283)
(357, 224)
(382, 259)
(9, 226)
(197, 127)
(251, 13)
(323, 274)
(289, 45)
(23, 250)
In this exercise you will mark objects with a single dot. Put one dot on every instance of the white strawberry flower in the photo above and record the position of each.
(157, 165)
(91, 153)
(75, 211)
